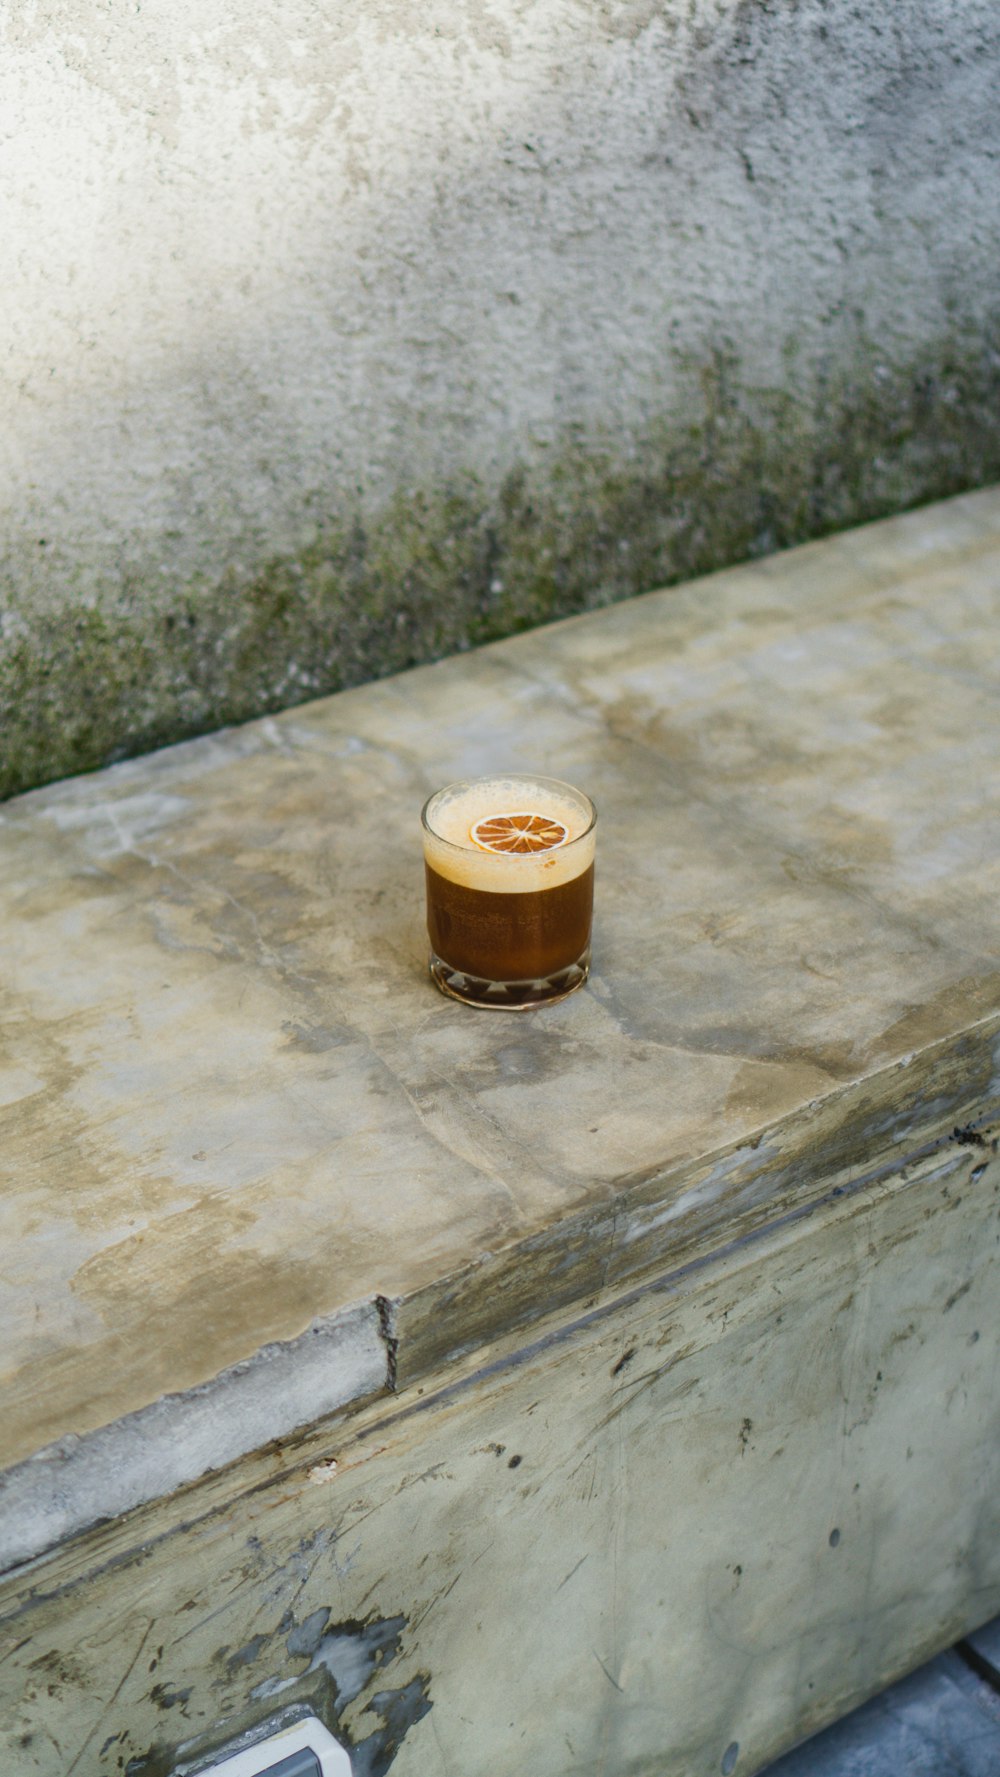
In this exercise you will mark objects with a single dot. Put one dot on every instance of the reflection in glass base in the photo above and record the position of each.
(509, 996)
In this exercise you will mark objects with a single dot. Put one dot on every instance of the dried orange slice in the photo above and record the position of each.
(520, 832)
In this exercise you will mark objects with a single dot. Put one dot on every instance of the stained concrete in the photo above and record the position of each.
(239, 1125)
(336, 341)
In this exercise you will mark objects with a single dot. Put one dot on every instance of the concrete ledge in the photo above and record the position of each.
(82, 1481)
(258, 1169)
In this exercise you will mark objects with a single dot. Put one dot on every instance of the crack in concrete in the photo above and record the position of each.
(386, 1308)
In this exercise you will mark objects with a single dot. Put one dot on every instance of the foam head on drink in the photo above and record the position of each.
(510, 876)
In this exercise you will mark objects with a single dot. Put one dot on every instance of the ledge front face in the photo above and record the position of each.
(233, 1106)
(678, 1534)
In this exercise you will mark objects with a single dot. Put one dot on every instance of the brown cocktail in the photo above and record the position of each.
(510, 889)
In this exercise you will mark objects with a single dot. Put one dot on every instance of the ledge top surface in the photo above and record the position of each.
(232, 1105)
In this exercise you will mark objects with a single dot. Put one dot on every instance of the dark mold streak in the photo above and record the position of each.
(735, 472)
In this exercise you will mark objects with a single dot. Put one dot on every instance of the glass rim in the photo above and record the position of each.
(513, 858)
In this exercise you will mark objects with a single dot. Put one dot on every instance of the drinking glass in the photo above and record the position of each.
(509, 862)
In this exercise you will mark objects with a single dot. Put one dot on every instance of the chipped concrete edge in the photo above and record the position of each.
(76, 1483)
(652, 1221)
(79, 1482)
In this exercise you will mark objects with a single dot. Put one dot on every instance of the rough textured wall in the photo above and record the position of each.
(338, 337)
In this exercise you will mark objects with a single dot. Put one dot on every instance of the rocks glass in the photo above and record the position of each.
(510, 889)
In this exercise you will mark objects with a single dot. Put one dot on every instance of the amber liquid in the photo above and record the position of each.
(509, 937)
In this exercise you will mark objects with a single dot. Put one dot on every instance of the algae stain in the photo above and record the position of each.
(444, 569)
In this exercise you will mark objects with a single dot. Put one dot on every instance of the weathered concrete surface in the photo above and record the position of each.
(337, 339)
(232, 1108)
(673, 1535)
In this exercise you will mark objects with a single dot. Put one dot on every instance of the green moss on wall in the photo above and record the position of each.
(445, 568)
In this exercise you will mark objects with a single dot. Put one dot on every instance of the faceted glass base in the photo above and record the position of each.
(509, 996)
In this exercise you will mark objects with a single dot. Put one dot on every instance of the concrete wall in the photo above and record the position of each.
(335, 337)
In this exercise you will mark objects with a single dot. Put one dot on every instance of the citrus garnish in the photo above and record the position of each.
(518, 833)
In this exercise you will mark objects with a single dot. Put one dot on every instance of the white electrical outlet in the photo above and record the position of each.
(306, 1749)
